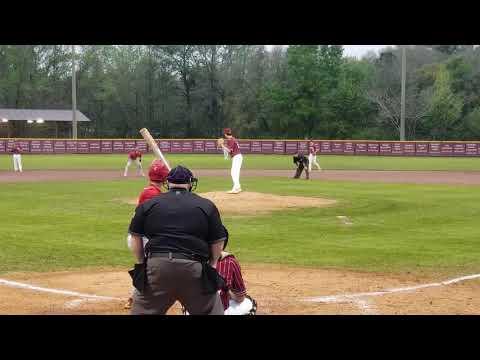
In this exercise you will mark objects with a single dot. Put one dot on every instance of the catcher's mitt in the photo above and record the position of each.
(220, 142)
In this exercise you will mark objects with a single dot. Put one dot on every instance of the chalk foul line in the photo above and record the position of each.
(19, 285)
(355, 297)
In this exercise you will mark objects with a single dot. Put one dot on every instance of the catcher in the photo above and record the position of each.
(157, 173)
(301, 161)
(234, 296)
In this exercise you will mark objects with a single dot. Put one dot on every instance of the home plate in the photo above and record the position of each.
(345, 220)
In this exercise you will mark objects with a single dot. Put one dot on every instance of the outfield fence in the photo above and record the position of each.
(280, 147)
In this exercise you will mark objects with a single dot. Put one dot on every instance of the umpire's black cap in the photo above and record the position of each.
(180, 175)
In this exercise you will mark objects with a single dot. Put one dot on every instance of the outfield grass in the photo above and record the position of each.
(332, 162)
(48, 226)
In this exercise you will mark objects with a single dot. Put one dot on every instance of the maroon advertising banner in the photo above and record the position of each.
(256, 147)
(349, 148)
(337, 147)
(164, 146)
(279, 147)
(421, 149)
(70, 146)
(141, 145)
(198, 146)
(24, 145)
(245, 146)
(373, 148)
(129, 145)
(434, 149)
(47, 146)
(82, 146)
(3, 148)
(94, 146)
(118, 146)
(106, 147)
(471, 149)
(187, 146)
(446, 149)
(176, 146)
(267, 147)
(409, 149)
(459, 149)
(385, 149)
(361, 148)
(397, 149)
(59, 146)
(303, 146)
(291, 147)
(325, 147)
(35, 146)
(211, 146)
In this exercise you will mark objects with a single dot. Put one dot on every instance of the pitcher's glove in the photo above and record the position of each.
(220, 143)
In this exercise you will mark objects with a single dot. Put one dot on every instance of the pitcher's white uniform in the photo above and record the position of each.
(17, 158)
(312, 157)
(233, 150)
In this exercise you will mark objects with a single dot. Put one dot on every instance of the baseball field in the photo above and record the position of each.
(368, 235)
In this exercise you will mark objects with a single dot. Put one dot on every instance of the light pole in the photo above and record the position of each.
(402, 109)
(74, 96)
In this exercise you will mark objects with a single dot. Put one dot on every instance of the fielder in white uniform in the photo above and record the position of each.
(17, 158)
(136, 156)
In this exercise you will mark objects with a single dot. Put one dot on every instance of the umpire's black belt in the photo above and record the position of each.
(171, 255)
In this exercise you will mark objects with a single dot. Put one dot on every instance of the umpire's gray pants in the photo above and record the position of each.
(173, 279)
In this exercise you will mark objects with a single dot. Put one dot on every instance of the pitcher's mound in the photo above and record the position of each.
(251, 203)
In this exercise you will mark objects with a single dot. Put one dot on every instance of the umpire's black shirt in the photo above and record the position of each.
(179, 221)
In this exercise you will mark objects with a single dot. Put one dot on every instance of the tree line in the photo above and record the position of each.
(301, 91)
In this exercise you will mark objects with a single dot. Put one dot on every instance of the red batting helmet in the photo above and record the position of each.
(227, 131)
(158, 171)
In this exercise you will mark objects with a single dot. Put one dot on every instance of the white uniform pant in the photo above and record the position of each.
(235, 172)
(139, 166)
(312, 159)
(17, 162)
(235, 308)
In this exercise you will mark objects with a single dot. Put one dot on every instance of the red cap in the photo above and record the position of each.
(227, 131)
(158, 171)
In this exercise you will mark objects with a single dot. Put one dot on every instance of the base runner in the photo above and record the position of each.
(17, 158)
(231, 147)
(134, 155)
(157, 174)
(312, 156)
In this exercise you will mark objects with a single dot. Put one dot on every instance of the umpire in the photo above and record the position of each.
(301, 161)
(186, 240)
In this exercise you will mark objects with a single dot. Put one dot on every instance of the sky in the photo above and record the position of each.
(356, 50)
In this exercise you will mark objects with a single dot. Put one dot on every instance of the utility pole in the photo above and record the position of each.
(402, 110)
(74, 96)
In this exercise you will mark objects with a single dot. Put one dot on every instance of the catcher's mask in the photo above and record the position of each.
(182, 175)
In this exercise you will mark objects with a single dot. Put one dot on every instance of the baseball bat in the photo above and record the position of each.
(153, 145)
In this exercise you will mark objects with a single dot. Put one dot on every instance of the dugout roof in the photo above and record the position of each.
(46, 115)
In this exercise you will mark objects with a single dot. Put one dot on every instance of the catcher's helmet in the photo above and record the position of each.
(158, 171)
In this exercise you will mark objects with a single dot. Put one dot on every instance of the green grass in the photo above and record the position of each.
(396, 227)
(332, 162)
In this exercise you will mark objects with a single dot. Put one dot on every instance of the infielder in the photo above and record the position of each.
(312, 156)
(231, 147)
(17, 158)
(134, 155)
(157, 174)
